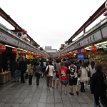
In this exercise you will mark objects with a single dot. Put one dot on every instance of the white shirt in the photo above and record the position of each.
(51, 70)
(84, 75)
(92, 71)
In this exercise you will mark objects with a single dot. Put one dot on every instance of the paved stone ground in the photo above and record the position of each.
(24, 95)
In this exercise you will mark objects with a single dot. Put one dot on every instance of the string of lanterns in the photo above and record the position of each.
(16, 51)
(93, 50)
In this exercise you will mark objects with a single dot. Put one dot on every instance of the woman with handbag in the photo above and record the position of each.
(49, 74)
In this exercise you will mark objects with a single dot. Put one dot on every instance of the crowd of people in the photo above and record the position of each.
(74, 75)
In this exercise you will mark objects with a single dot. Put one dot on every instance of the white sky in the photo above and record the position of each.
(50, 22)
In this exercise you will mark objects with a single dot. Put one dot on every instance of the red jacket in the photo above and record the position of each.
(62, 72)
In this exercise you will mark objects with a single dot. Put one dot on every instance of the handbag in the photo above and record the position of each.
(47, 71)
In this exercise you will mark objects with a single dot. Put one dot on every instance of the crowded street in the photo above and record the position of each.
(53, 53)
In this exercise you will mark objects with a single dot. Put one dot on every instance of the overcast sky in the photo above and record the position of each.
(50, 22)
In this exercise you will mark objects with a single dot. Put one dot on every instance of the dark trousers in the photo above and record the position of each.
(101, 97)
(22, 78)
(30, 79)
(37, 78)
(82, 87)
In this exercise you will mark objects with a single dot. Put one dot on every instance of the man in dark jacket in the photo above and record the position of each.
(98, 87)
(22, 67)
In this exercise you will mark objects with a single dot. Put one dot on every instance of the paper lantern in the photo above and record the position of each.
(2, 48)
(67, 54)
(28, 52)
(83, 50)
(14, 50)
(22, 53)
(93, 49)
(33, 54)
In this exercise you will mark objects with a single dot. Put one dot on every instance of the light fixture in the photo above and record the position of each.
(9, 46)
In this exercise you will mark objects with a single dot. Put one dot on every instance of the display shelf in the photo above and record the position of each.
(5, 77)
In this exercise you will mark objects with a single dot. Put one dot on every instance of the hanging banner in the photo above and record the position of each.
(80, 56)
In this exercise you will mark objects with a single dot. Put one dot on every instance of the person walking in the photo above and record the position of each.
(49, 74)
(98, 87)
(57, 66)
(30, 72)
(38, 72)
(92, 71)
(84, 76)
(17, 71)
(63, 76)
(73, 78)
(92, 68)
(23, 68)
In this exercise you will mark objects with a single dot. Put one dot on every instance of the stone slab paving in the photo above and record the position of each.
(24, 95)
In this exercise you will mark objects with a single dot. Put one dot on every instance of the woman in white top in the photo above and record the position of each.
(50, 74)
(84, 76)
(92, 68)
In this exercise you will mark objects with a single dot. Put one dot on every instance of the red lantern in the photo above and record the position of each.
(27, 52)
(93, 49)
(22, 53)
(14, 50)
(2, 48)
(70, 53)
(83, 50)
(33, 54)
(67, 54)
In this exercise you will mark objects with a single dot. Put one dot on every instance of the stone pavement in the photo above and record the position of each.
(24, 95)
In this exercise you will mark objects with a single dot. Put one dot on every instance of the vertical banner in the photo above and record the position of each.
(80, 56)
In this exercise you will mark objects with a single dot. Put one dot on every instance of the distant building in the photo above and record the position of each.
(50, 51)
(48, 47)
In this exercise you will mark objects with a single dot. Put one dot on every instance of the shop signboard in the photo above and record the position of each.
(80, 56)
(104, 32)
(84, 41)
(89, 40)
(97, 36)
(92, 38)
(15, 41)
(81, 43)
(7, 39)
